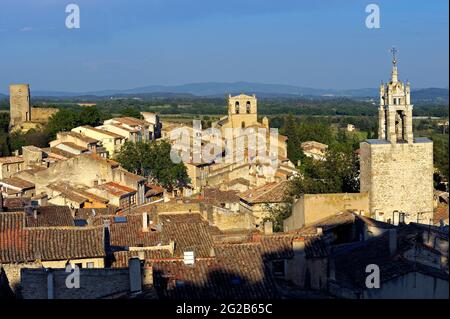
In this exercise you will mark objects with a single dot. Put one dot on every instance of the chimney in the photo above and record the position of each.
(144, 222)
(172, 247)
(134, 269)
(189, 258)
(392, 241)
(50, 288)
(268, 228)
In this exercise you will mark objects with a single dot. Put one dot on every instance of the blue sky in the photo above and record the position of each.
(131, 43)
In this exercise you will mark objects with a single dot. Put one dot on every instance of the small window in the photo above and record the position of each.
(90, 265)
(236, 107)
(248, 107)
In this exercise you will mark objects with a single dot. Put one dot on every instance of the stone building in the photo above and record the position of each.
(241, 160)
(397, 168)
(23, 116)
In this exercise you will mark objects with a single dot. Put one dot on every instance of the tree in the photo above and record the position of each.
(339, 173)
(63, 120)
(294, 150)
(91, 116)
(152, 159)
(131, 112)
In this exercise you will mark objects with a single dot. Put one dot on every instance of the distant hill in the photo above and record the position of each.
(220, 89)
(3, 96)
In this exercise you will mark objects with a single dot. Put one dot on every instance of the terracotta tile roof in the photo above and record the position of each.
(86, 213)
(121, 258)
(16, 203)
(131, 121)
(49, 216)
(19, 244)
(68, 192)
(351, 259)
(440, 213)
(73, 146)
(268, 193)
(153, 190)
(116, 189)
(81, 137)
(215, 196)
(11, 159)
(237, 272)
(17, 182)
(101, 131)
(133, 176)
(57, 153)
(189, 232)
(130, 233)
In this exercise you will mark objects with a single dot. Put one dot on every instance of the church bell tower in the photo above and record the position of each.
(395, 111)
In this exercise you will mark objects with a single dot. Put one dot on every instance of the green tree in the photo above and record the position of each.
(91, 116)
(63, 120)
(294, 150)
(131, 112)
(152, 159)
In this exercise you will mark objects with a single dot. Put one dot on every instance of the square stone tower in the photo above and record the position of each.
(19, 104)
(396, 168)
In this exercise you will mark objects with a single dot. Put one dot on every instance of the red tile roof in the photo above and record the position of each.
(23, 244)
(268, 193)
(49, 216)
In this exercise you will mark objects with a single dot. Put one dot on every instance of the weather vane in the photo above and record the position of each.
(394, 51)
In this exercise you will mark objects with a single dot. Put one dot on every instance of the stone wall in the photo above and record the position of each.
(13, 274)
(42, 114)
(19, 102)
(399, 177)
(310, 208)
(94, 283)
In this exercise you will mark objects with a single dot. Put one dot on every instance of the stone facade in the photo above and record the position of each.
(397, 169)
(398, 178)
(23, 116)
(310, 208)
(19, 100)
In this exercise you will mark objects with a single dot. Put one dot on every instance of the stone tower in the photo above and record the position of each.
(242, 110)
(19, 101)
(396, 168)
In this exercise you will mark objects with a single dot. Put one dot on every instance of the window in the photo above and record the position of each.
(278, 268)
(248, 107)
(236, 107)
(79, 265)
(90, 265)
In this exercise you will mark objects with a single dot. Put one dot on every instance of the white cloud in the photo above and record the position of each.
(26, 29)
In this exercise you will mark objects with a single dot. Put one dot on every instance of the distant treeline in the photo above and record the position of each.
(217, 106)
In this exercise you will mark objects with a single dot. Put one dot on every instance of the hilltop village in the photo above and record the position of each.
(131, 236)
